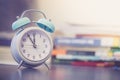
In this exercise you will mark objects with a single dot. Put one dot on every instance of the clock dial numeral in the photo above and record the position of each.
(44, 51)
(24, 40)
(28, 55)
(39, 55)
(33, 57)
(22, 45)
(46, 46)
(24, 51)
(40, 36)
(44, 40)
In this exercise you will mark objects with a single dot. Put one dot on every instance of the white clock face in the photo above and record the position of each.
(35, 45)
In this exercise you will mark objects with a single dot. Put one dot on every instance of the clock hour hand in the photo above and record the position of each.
(34, 45)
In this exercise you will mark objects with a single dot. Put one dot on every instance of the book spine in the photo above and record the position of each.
(76, 42)
(116, 53)
(76, 57)
(87, 41)
(98, 64)
(106, 40)
(105, 55)
(83, 63)
(80, 53)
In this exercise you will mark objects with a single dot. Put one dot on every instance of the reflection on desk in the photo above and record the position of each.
(58, 72)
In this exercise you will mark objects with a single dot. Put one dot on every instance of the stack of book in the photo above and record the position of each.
(86, 50)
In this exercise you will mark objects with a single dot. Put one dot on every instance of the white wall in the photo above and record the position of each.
(92, 16)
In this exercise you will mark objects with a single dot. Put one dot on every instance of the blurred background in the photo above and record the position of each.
(87, 31)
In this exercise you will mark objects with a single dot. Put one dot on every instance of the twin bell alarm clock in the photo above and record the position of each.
(31, 46)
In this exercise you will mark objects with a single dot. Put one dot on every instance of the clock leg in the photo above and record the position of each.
(20, 64)
(47, 66)
(19, 74)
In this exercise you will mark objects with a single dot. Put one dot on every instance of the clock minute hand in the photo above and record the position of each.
(31, 41)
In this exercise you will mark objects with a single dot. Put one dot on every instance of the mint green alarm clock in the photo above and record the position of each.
(32, 46)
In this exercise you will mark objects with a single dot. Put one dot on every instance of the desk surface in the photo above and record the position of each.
(58, 72)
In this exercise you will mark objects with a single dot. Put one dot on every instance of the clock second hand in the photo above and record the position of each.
(34, 45)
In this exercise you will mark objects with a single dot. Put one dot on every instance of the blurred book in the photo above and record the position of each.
(82, 63)
(88, 41)
(5, 38)
(84, 47)
(6, 56)
(105, 40)
(103, 54)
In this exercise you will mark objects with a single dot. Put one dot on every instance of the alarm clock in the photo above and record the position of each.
(31, 46)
